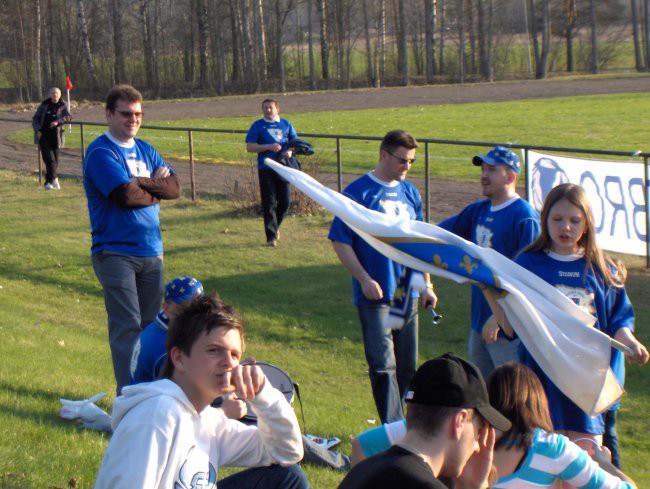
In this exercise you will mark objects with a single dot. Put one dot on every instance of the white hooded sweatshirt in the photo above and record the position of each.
(161, 441)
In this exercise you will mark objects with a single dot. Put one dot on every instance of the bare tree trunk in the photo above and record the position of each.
(460, 13)
(470, 28)
(202, 26)
(235, 27)
(646, 24)
(638, 58)
(85, 45)
(594, 37)
(218, 50)
(278, 45)
(443, 18)
(247, 47)
(262, 58)
(402, 51)
(532, 20)
(430, 39)
(370, 69)
(119, 74)
(324, 39)
(483, 44)
(310, 43)
(571, 13)
(546, 39)
(490, 41)
(381, 42)
(37, 48)
(52, 71)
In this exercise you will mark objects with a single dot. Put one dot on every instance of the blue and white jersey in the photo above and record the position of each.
(507, 228)
(398, 198)
(264, 131)
(131, 231)
(376, 440)
(552, 457)
(609, 305)
(150, 351)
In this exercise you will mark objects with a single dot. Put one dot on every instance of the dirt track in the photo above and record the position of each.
(213, 178)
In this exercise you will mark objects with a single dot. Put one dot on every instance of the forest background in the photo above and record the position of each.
(180, 48)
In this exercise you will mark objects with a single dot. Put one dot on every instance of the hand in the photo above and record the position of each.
(476, 472)
(601, 454)
(490, 331)
(247, 381)
(162, 172)
(429, 298)
(371, 289)
(54, 124)
(38, 135)
(639, 353)
(232, 407)
(275, 147)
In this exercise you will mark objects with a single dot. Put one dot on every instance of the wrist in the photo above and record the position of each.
(429, 285)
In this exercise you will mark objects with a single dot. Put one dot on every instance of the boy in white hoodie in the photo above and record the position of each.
(165, 434)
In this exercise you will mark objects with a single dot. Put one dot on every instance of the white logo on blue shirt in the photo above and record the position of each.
(395, 208)
(484, 236)
(583, 298)
(276, 133)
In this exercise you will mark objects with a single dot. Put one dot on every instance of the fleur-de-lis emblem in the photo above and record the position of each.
(468, 264)
(437, 261)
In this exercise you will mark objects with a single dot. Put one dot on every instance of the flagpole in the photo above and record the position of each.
(621, 347)
(67, 93)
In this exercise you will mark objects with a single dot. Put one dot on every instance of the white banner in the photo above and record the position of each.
(615, 189)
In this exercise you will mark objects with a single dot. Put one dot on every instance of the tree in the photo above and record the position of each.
(402, 51)
(202, 25)
(148, 46)
(310, 44)
(37, 50)
(119, 73)
(324, 38)
(638, 57)
(594, 37)
(430, 39)
(571, 22)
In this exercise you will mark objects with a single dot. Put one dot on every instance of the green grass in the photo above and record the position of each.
(295, 301)
(593, 122)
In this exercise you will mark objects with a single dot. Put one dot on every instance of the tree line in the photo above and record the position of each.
(218, 47)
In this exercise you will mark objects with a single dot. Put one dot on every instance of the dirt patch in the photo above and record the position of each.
(447, 196)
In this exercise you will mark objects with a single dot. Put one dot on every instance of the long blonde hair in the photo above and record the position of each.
(613, 272)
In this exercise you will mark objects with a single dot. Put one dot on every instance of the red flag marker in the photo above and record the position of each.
(68, 83)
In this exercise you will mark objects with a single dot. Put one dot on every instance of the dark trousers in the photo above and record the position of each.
(276, 198)
(49, 146)
(610, 437)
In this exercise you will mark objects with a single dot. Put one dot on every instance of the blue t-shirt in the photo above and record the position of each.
(150, 351)
(608, 304)
(397, 198)
(507, 228)
(131, 231)
(264, 131)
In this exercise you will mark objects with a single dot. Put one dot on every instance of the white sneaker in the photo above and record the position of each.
(56, 185)
(49, 186)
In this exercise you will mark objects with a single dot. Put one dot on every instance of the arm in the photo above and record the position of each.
(261, 148)
(604, 459)
(347, 256)
(498, 318)
(168, 187)
(639, 352)
(429, 297)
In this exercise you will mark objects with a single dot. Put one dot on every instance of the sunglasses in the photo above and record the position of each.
(403, 161)
(127, 114)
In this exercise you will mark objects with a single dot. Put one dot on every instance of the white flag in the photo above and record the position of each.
(558, 334)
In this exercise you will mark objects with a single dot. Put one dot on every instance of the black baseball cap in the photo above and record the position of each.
(450, 381)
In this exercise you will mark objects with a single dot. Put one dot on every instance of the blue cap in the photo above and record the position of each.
(499, 156)
(183, 289)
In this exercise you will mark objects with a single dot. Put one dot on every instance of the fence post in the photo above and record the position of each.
(192, 183)
(83, 146)
(647, 213)
(427, 200)
(338, 164)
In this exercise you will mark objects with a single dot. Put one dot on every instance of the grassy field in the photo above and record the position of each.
(295, 300)
(592, 122)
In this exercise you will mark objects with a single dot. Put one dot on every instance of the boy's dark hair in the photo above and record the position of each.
(428, 420)
(122, 92)
(196, 318)
(271, 100)
(398, 138)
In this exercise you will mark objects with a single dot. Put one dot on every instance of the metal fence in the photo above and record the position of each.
(428, 143)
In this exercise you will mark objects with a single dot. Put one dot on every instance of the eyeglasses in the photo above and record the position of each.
(127, 114)
(403, 161)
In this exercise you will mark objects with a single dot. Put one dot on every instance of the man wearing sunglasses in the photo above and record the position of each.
(125, 179)
(391, 353)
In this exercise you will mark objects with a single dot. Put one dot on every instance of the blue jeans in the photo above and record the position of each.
(391, 356)
(488, 356)
(271, 477)
(610, 437)
(133, 293)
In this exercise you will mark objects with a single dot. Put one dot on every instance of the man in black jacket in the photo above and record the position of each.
(48, 122)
